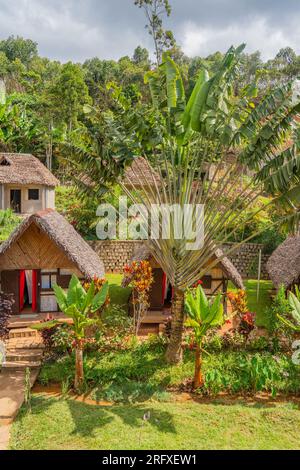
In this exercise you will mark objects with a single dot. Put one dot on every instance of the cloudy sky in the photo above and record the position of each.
(80, 29)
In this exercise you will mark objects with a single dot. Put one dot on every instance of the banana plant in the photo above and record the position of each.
(294, 301)
(79, 306)
(203, 314)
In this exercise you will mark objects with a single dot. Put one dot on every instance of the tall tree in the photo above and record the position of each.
(19, 48)
(154, 11)
(140, 56)
(70, 93)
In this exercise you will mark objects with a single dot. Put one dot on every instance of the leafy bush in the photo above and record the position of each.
(8, 222)
(62, 339)
(141, 372)
(280, 306)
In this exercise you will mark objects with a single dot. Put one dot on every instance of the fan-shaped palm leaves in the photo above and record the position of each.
(188, 142)
(197, 138)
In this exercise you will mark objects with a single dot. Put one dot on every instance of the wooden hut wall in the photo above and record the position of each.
(215, 281)
(34, 250)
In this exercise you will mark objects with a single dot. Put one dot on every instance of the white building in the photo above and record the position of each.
(26, 185)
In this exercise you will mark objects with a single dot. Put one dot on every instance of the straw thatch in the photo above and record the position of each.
(229, 270)
(140, 174)
(23, 168)
(56, 227)
(283, 265)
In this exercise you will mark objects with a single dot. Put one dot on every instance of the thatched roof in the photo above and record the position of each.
(140, 174)
(283, 265)
(56, 227)
(23, 168)
(143, 253)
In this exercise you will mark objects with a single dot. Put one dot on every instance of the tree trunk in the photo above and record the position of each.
(198, 377)
(78, 368)
(174, 351)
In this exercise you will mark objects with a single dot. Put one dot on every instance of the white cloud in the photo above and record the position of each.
(62, 35)
(80, 29)
(258, 35)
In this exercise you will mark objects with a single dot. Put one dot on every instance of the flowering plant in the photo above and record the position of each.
(197, 283)
(139, 275)
(247, 323)
(238, 301)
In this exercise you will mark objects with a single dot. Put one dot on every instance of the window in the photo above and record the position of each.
(64, 277)
(48, 280)
(33, 194)
(206, 282)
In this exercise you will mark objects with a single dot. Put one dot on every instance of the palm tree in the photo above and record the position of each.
(188, 143)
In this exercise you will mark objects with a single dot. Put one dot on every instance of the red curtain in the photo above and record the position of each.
(164, 286)
(22, 289)
(34, 290)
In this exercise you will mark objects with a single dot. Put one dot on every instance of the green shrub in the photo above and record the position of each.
(8, 222)
(140, 372)
(280, 306)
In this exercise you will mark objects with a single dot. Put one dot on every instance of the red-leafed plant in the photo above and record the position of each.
(139, 273)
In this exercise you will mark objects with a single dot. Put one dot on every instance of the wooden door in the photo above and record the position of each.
(10, 285)
(155, 294)
(15, 200)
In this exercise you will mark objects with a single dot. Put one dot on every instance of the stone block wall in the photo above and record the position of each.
(116, 253)
(246, 259)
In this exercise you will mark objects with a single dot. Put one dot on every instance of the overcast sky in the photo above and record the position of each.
(80, 29)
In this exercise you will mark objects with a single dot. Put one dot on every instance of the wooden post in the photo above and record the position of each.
(258, 274)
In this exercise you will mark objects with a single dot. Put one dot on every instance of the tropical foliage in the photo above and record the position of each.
(203, 314)
(8, 222)
(294, 302)
(80, 306)
(139, 275)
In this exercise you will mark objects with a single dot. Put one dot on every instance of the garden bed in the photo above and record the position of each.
(140, 373)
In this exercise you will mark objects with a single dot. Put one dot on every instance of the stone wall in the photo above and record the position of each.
(116, 253)
(246, 259)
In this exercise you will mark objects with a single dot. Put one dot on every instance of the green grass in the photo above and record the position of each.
(59, 424)
(118, 294)
(264, 301)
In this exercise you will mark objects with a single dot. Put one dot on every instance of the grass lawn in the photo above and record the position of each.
(68, 424)
(118, 294)
(264, 300)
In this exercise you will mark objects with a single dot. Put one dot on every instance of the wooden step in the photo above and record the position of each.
(19, 365)
(23, 333)
(21, 354)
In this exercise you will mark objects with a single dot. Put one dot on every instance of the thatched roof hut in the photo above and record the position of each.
(141, 174)
(65, 237)
(284, 264)
(229, 270)
(25, 169)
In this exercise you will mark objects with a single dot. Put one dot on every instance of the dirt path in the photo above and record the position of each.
(4, 436)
